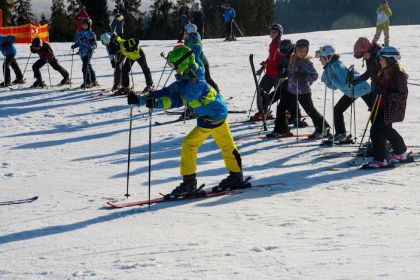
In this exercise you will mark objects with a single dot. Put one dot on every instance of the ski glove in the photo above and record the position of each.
(133, 99)
(151, 103)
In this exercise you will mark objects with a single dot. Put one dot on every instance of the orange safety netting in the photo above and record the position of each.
(25, 33)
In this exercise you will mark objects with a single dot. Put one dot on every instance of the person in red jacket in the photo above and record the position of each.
(46, 55)
(272, 76)
(82, 15)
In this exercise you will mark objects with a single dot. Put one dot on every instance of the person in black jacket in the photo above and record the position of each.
(46, 55)
(197, 18)
(117, 24)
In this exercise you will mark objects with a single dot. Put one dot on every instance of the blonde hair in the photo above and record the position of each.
(294, 57)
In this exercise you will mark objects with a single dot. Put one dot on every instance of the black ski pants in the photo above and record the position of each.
(54, 64)
(230, 33)
(89, 75)
(11, 61)
(342, 105)
(281, 124)
(281, 91)
(143, 64)
(380, 132)
(209, 80)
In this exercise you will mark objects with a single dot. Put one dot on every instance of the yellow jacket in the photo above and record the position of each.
(130, 48)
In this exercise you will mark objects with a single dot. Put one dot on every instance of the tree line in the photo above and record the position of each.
(162, 21)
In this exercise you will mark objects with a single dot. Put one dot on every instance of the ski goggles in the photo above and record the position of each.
(175, 64)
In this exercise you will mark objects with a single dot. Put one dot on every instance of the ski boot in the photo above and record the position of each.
(3, 85)
(278, 135)
(38, 84)
(376, 164)
(234, 181)
(319, 135)
(20, 81)
(401, 158)
(339, 139)
(115, 87)
(122, 91)
(301, 123)
(187, 188)
(94, 84)
(149, 88)
(65, 81)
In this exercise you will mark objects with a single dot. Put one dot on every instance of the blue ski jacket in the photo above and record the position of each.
(6, 45)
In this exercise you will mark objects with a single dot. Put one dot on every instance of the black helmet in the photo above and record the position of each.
(88, 22)
(36, 43)
(277, 27)
(115, 12)
(302, 43)
(286, 47)
(81, 8)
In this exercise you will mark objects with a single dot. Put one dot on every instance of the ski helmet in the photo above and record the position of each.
(88, 22)
(115, 12)
(286, 47)
(391, 54)
(81, 8)
(362, 46)
(182, 58)
(190, 28)
(105, 38)
(36, 43)
(277, 27)
(326, 51)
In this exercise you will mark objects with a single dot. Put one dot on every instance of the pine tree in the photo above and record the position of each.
(59, 27)
(98, 12)
(23, 12)
(133, 18)
(6, 7)
(72, 15)
(162, 22)
(214, 18)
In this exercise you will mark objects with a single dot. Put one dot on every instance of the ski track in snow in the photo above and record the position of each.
(71, 150)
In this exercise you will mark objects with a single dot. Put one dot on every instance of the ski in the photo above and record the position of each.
(204, 195)
(335, 154)
(179, 113)
(173, 121)
(18, 201)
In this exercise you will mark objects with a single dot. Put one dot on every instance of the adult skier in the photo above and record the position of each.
(130, 49)
(46, 55)
(197, 18)
(8, 50)
(383, 13)
(211, 110)
(228, 18)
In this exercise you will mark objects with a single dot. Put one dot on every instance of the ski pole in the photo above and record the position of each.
(71, 67)
(24, 70)
(150, 150)
(4, 71)
(297, 110)
(49, 75)
(164, 68)
(323, 118)
(375, 104)
(131, 73)
(333, 117)
(129, 151)
(272, 99)
(253, 98)
(242, 34)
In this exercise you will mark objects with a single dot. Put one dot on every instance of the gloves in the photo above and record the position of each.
(32, 49)
(151, 103)
(299, 75)
(133, 99)
(73, 47)
(259, 71)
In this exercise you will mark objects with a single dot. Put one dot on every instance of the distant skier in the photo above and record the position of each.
(82, 16)
(301, 75)
(185, 19)
(130, 49)
(117, 24)
(46, 55)
(383, 13)
(392, 92)
(8, 50)
(336, 76)
(192, 88)
(228, 18)
(271, 77)
(197, 17)
(86, 42)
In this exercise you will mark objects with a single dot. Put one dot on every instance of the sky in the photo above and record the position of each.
(44, 6)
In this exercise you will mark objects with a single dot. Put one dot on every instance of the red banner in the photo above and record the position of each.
(25, 33)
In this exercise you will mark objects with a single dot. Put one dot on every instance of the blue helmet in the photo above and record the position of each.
(391, 54)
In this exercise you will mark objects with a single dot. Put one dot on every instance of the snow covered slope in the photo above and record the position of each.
(325, 222)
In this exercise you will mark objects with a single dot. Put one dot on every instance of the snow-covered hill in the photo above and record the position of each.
(322, 223)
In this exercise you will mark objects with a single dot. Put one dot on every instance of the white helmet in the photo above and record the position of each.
(105, 39)
(326, 51)
(190, 28)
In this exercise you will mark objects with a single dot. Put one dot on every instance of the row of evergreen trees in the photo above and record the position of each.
(162, 21)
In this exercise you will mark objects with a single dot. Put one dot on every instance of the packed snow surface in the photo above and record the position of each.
(324, 220)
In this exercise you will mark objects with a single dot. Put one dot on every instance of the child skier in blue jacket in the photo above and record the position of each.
(211, 110)
(86, 42)
(338, 77)
(9, 52)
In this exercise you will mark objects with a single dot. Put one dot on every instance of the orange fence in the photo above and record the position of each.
(25, 33)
